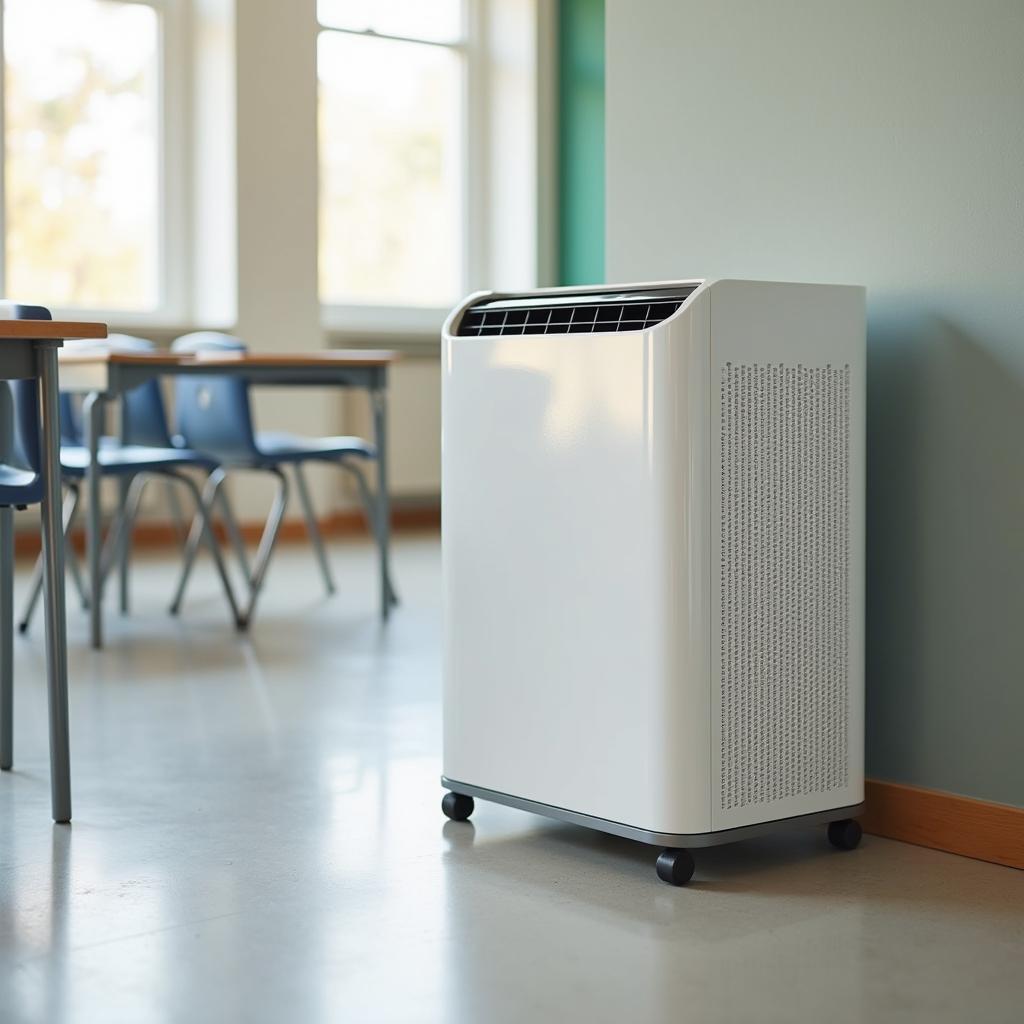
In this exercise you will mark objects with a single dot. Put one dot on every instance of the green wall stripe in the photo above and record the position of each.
(581, 141)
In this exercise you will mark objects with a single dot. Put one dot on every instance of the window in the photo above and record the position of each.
(393, 166)
(83, 203)
(119, 178)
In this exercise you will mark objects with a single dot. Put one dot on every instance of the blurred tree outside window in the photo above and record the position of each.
(82, 154)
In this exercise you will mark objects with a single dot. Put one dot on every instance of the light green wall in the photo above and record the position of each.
(581, 141)
(882, 144)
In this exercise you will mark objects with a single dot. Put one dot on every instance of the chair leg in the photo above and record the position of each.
(263, 553)
(6, 638)
(370, 509)
(131, 500)
(267, 540)
(234, 533)
(203, 514)
(35, 588)
(311, 526)
(123, 550)
(68, 512)
(76, 574)
(177, 515)
(73, 498)
(209, 496)
(119, 536)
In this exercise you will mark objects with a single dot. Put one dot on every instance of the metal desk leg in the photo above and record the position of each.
(124, 552)
(53, 586)
(92, 414)
(378, 397)
(6, 638)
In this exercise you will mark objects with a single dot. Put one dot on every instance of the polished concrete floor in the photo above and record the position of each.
(257, 837)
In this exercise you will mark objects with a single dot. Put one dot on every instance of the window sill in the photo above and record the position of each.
(414, 331)
(375, 321)
(144, 324)
(409, 343)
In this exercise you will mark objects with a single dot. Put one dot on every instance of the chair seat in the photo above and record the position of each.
(129, 459)
(273, 448)
(285, 447)
(19, 486)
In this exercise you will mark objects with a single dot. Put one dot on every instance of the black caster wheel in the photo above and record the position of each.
(674, 867)
(457, 806)
(845, 834)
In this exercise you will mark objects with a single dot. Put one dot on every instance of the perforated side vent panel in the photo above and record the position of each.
(785, 453)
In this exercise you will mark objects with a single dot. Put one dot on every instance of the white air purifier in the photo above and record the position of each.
(653, 536)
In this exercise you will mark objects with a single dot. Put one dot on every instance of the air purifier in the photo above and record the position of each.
(653, 559)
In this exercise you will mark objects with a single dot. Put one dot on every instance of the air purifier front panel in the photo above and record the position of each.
(566, 628)
(652, 587)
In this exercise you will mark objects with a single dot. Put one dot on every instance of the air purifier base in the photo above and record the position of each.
(642, 835)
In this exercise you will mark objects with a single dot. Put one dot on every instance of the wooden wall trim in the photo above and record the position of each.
(943, 821)
(154, 535)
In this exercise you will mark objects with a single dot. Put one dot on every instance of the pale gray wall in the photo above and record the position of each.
(882, 144)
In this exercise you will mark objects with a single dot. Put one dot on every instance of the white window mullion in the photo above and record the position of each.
(477, 152)
(175, 161)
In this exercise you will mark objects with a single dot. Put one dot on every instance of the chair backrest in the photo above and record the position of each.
(208, 341)
(25, 451)
(212, 413)
(19, 424)
(143, 414)
(19, 407)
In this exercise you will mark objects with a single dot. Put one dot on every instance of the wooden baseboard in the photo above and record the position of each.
(943, 821)
(153, 536)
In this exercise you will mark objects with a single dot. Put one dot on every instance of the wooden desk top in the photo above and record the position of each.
(56, 329)
(329, 358)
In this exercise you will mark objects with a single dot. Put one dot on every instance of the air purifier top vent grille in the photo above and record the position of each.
(582, 313)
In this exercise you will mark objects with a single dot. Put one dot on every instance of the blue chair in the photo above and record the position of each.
(145, 452)
(72, 435)
(21, 484)
(214, 415)
(143, 423)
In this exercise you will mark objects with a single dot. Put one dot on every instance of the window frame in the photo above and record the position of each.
(388, 318)
(173, 161)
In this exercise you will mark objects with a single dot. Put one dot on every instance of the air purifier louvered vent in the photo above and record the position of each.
(784, 601)
(586, 313)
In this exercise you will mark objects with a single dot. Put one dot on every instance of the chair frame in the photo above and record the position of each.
(251, 457)
(214, 493)
(119, 537)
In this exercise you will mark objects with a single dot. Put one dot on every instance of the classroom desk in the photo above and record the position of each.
(28, 349)
(102, 375)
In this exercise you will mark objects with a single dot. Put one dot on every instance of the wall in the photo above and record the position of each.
(880, 144)
(276, 170)
(581, 141)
